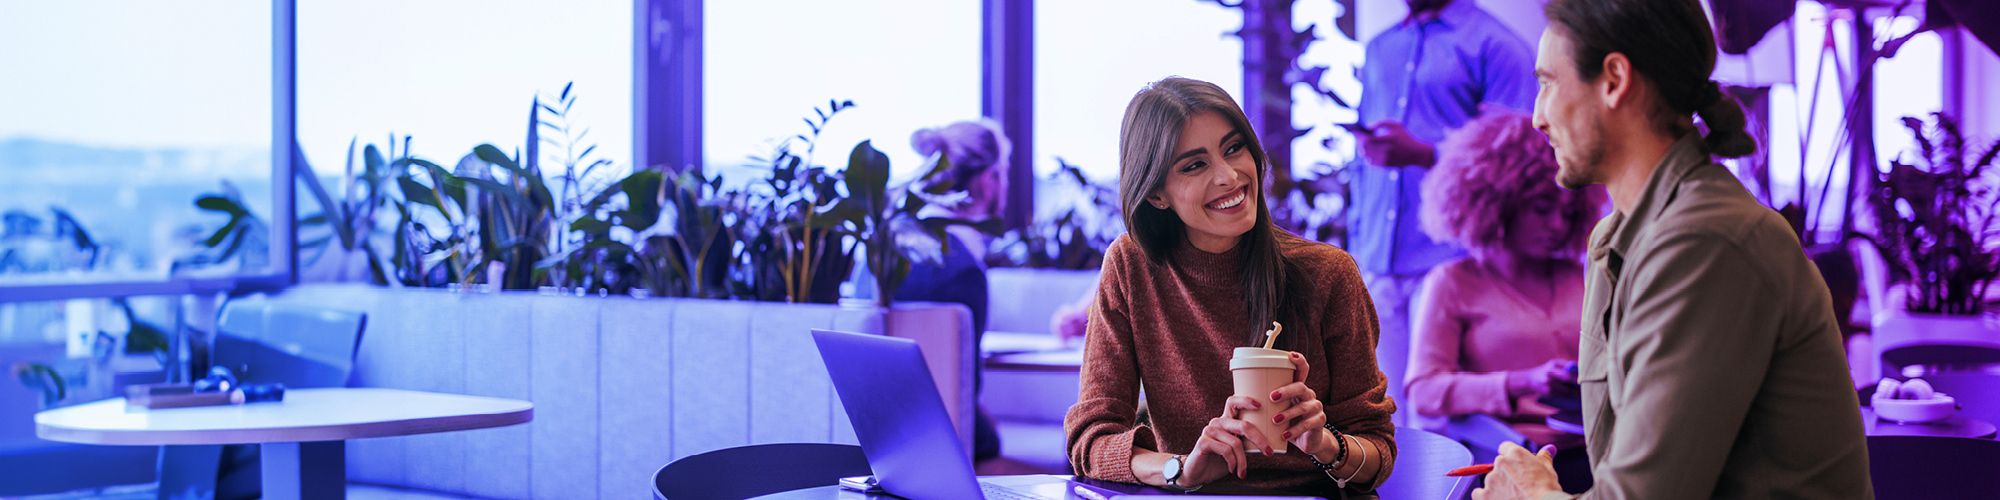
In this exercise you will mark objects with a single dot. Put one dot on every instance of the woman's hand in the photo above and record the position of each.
(1070, 323)
(1534, 382)
(1305, 421)
(1219, 450)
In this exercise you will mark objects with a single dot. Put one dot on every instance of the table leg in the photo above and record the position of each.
(305, 471)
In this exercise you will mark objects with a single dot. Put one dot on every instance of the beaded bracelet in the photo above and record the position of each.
(1338, 459)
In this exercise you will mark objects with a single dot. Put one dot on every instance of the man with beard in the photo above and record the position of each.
(1711, 359)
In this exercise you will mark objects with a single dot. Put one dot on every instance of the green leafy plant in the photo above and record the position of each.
(44, 378)
(517, 214)
(792, 235)
(53, 384)
(1074, 238)
(1935, 220)
(601, 261)
(434, 234)
(143, 337)
(568, 148)
(66, 246)
(243, 237)
(794, 248)
(348, 226)
(888, 221)
(1316, 208)
(698, 250)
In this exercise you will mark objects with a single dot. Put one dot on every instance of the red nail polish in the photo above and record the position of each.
(1278, 419)
(1274, 396)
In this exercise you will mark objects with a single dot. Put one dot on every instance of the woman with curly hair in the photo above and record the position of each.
(1490, 331)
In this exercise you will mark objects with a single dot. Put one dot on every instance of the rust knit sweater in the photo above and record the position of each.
(1171, 327)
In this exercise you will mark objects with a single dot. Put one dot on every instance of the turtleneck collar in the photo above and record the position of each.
(1217, 270)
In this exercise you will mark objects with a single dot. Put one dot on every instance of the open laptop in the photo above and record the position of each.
(902, 424)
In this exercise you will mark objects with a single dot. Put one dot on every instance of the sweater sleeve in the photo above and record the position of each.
(1358, 402)
(1102, 428)
(1439, 386)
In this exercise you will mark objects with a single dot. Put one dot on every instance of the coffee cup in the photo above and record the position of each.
(1257, 372)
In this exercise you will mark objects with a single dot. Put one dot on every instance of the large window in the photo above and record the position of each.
(1326, 146)
(1091, 57)
(437, 78)
(455, 74)
(1809, 133)
(119, 116)
(770, 63)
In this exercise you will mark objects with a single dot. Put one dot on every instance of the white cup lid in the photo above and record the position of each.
(1258, 357)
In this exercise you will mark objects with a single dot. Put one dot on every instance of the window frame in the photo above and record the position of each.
(283, 270)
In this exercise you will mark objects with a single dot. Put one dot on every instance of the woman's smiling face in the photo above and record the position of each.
(1212, 183)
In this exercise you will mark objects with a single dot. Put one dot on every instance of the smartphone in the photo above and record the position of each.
(864, 484)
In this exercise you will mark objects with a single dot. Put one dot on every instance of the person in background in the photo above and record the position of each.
(978, 153)
(1426, 75)
(1710, 360)
(1493, 330)
(1072, 320)
(1201, 272)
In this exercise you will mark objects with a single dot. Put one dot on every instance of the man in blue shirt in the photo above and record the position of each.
(1424, 76)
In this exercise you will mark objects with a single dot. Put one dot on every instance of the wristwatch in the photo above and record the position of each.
(1172, 470)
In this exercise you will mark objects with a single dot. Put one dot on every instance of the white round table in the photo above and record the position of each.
(303, 437)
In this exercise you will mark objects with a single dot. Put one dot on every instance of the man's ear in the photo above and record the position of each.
(1615, 83)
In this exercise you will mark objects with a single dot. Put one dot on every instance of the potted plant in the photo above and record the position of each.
(793, 247)
(1073, 239)
(1935, 230)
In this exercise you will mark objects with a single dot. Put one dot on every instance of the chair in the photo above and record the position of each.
(263, 342)
(789, 466)
(1913, 467)
(1422, 458)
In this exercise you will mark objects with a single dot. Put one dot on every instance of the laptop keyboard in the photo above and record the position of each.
(993, 492)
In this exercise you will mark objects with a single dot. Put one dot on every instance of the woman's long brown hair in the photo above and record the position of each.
(1146, 142)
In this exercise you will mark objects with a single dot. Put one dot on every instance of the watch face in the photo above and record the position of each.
(1172, 470)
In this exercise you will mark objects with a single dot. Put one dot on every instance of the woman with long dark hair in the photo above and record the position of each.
(1203, 271)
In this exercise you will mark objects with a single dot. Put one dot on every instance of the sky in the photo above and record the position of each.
(197, 74)
(177, 74)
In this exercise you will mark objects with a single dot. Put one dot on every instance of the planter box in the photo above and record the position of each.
(1904, 338)
(621, 386)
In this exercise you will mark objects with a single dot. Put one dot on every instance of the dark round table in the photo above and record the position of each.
(1956, 426)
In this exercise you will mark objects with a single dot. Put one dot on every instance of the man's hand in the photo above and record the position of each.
(1392, 146)
(1519, 475)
